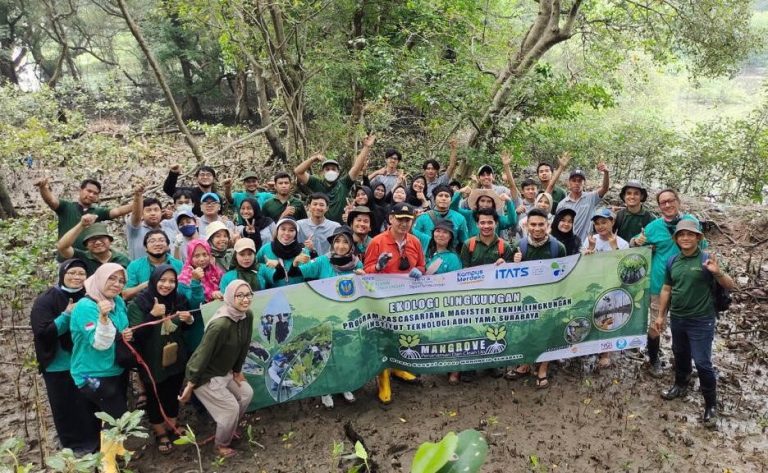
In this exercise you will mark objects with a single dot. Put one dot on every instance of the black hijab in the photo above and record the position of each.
(378, 210)
(570, 240)
(260, 222)
(246, 274)
(46, 308)
(410, 194)
(174, 301)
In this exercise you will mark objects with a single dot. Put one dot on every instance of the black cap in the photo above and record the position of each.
(402, 210)
(578, 173)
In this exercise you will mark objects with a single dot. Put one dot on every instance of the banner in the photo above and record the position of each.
(334, 335)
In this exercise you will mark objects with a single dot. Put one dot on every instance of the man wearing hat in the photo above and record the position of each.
(251, 189)
(359, 219)
(425, 222)
(97, 241)
(205, 176)
(583, 203)
(335, 187)
(389, 176)
(687, 292)
(210, 203)
(658, 235)
(631, 220)
(486, 199)
(395, 251)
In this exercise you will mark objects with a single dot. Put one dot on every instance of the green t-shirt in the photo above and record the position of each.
(70, 213)
(691, 287)
(273, 208)
(337, 194)
(627, 224)
(542, 252)
(92, 264)
(484, 254)
(558, 194)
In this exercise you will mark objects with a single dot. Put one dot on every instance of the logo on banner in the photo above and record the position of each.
(557, 269)
(636, 342)
(621, 344)
(471, 276)
(494, 343)
(512, 273)
(345, 287)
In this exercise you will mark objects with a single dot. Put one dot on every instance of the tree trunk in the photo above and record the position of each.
(161, 80)
(191, 109)
(275, 143)
(242, 112)
(7, 67)
(6, 205)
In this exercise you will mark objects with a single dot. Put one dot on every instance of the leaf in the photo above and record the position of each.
(470, 454)
(360, 451)
(430, 457)
(106, 418)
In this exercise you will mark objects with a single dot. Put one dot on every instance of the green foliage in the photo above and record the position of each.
(65, 461)
(128, 425)
(465, 452)
(26, 263)
(9, 455)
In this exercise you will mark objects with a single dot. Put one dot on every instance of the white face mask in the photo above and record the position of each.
(331, 176)
(184, 208)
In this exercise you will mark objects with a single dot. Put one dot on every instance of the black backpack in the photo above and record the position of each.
(720, 295)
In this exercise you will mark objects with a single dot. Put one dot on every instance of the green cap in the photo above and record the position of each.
(250, 174)
(96, 230)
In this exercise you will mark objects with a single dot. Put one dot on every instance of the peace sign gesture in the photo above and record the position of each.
(712, 265)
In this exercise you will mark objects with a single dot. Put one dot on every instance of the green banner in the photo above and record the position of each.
(334, 335)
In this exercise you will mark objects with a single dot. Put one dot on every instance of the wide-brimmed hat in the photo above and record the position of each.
(96, 230)
(634, 185)
(214, 227)
(359, 210)
(687, 225)
(341, 230)
(475, 195)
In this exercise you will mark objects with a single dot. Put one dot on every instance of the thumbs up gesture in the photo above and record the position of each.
(712, 265)
(518, 256)
(158, 310)
(640, 239)
(198, 273)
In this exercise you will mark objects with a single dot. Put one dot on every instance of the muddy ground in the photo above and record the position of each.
(610, 421)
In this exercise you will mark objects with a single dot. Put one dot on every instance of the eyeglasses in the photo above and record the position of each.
(116, 279)
(80, 274)
(667, 202)
(155, 241)
(240, 297)
(204, 174)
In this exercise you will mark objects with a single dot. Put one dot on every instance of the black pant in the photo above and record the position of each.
(110, 396)
(167, 391)
(76, 426)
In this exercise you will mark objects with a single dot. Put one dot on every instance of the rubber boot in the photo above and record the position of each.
(404, 375)
(110, 450)
(654, 347)
(710, 409)
(385, 390)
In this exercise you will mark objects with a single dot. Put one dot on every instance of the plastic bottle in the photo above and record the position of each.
(92, 383)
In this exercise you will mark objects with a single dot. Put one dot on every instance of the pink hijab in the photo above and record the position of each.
(212, 275)
(94, 285)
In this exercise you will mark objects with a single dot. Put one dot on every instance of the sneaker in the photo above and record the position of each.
(327, 401)
(349, 397)
(654, 369)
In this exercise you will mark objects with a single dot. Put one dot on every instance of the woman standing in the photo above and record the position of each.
(252, 224)
(214, 372)
(96, 320)
(162, 347)
(75, 424)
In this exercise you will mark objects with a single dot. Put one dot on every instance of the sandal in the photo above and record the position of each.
(164, 445)
(226, 452)
(542, 382)
(604, 362)
(454, 378)
(513, 374)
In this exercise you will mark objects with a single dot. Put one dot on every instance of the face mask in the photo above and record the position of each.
(184, 208)
(188, 230)
(331, 176)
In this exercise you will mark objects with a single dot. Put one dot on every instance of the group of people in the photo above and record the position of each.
(109, 306)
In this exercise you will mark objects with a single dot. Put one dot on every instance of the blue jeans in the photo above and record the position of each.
(692, 339)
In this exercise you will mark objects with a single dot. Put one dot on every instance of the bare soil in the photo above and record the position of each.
(609, 421)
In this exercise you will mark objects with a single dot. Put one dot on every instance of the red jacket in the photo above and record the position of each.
(385, 243)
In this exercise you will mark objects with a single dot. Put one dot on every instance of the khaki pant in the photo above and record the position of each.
(226, 402)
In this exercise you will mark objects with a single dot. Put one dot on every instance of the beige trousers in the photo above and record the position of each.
(226, 402)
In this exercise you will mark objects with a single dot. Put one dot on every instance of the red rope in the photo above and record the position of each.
(144, 365)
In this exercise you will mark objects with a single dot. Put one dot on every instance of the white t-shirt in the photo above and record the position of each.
(604, 245)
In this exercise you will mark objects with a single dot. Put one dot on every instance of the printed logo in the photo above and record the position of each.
(469, 277)
(495, 342)
(345, 287)
(558, 269)
(90, 326)
(621, 344)
(606, 346)
(512, 273)
(636, 342)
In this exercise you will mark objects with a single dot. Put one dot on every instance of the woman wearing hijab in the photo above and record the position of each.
(163, 347)
(416, 194)
(214, 372)
(75, 424)
(562, 230)
(252, 224)
(96, 321)
(245, 267)
(280, 254)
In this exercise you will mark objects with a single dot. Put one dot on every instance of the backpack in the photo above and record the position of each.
(553, 247)
(472, 243)
(720, 295)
